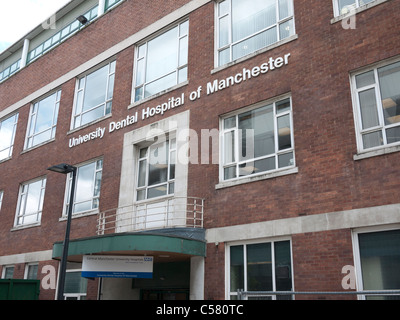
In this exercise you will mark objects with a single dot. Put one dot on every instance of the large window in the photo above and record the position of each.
(260, 267)
(94, 95)
(377, 99)
(257, 141)
(8, 128)
(156, 170)
(161, 63)
(247, 26)
(43, 120)
(379, 262)
(346, 6)
(30, 202)
(87, 188)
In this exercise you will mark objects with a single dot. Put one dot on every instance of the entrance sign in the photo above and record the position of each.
(117, 267)
(210, 88)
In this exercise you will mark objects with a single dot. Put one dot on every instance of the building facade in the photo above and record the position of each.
(218, 145)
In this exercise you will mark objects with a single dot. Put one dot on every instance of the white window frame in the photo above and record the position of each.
(11, 146)
(356, 251)
(230, 44)
(80, 91)
(385, 147)
(22, 198)
(357, 6)
(27, 267)
(228, 293)
(4, 271)
(277, 152)
(94, 209)
(33, 114)
(138, 57)
(78, 296)
(1, 198)
(170, 181)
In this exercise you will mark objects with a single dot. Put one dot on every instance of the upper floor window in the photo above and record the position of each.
(43, 120)
(377, 100)
(94, 95)
(161, 63)
(244, 27)
(346, 6)
(87, 187)
(257, 141)
(30, 202)
(156, 174)
(8, 128)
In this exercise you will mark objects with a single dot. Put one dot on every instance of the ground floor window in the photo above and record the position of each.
(263, 266)
(379, 262)
(75, 286)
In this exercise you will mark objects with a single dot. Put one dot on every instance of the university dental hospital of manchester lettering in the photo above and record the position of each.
(174, 102)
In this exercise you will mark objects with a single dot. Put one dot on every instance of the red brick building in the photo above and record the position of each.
(219, 146)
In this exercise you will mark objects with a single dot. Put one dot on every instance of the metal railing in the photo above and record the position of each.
(184, 212)
(244, 295)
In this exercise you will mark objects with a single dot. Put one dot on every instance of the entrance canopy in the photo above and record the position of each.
(165, 245)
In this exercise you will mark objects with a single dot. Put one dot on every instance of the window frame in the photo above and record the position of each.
(11, 146)
(228, 293)
(93, 209)
(382, 127)
(358, 6)
(22, 201)
(33, 120)
(356, 251)
(170, 181)
(4, 271)
(81, 87)
(277, 152)
(138, 57)
(27, 268)
(77, 295)
(231, 43)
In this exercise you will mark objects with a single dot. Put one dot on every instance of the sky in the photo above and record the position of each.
(18, 17)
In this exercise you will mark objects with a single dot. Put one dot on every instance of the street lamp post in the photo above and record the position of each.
(65, 169)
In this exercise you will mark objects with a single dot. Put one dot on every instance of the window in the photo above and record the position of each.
(75, 286)
(257, 141)
(346, 6)
(379, 261)
(111, 3)
(156, 170)
(244, 27)
(161, 63)
(8, 127)
(43, 120)
(1, 198)
(31, 270)
(8, 272)
(30, 203)
(94, 95)
(260, 267)
(87, 188)
(377, 97)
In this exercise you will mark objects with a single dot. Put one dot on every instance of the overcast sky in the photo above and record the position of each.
(18, 17)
